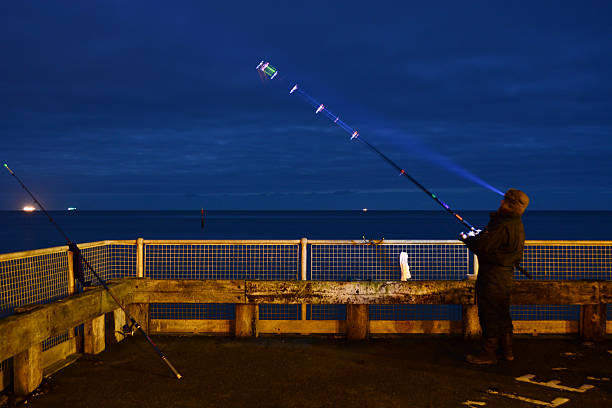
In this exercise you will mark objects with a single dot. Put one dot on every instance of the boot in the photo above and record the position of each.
(506, 347)
(488, 355)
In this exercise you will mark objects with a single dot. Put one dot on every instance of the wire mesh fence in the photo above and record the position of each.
(34, 278)
(346, 260)
(428, 260)
(265, 260)
(42, 276)
(563, 260)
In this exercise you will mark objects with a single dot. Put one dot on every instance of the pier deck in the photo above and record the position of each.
(296, 371)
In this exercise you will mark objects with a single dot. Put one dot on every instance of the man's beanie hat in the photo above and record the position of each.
(516, 201)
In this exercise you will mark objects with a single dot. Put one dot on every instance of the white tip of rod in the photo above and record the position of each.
(293, 89)
(320, 108)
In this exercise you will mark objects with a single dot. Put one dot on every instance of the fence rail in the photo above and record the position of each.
(43, 276)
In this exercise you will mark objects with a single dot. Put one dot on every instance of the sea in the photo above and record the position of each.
(21, 231)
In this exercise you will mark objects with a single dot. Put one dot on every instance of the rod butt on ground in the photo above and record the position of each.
(178, 376)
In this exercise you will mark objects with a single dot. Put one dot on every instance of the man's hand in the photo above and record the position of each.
(472, 233)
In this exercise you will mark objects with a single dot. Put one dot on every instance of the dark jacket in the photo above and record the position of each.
(498, 247)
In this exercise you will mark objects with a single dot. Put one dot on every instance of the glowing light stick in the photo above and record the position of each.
(269, 72)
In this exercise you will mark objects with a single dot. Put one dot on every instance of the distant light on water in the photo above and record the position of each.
(28, 208)
(71, 208)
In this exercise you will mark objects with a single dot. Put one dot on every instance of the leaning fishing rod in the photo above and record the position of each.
(81, 278)
(266, 71)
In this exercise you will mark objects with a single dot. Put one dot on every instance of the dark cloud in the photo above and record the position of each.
(152, 105)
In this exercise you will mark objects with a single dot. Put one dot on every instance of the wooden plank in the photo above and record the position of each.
(21, 331)
(605, 292)
(27, 370)
(93, 336)
(370, 292)
(140, 258)
(471, 324)
(357, 326)
(173, 326)
(593, 321)
(535, 327)
(301, 327)
(222, 242)
(415, 327)
(113, 325)
(537, 292)
(32, 253)
(246, 320)
(140, 313)
(188, 291)
(58, 352)
(5, 377)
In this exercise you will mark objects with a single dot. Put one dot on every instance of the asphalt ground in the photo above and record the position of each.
(410, 371)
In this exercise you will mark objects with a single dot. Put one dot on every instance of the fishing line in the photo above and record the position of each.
(266, 71)
(80, 277)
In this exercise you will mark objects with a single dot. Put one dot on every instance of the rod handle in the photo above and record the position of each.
(178, 376)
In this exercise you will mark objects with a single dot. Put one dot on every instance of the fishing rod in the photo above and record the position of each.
(266, 71)
(81, 278)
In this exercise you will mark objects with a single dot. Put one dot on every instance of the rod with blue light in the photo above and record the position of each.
(269, 72)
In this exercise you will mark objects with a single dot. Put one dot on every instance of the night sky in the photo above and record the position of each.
(127, 105)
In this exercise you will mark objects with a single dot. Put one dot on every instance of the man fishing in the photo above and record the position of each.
(499, 248)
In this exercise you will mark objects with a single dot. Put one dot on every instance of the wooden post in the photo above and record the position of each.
(471, 325)
(357, 322)
(246, 320)
(304, 269)
(114, 322)
(140, 312)
(140, 258)
(93, 336)
(71, 291)
(27, 370)
(475, 267)
(593, 321)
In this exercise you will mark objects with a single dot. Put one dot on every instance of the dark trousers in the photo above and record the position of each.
(493, 301)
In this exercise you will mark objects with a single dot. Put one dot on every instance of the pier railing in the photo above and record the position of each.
(293, 286)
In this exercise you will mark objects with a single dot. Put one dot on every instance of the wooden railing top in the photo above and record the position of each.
(21, 331)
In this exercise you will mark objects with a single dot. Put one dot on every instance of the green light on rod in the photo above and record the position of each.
(433, 195)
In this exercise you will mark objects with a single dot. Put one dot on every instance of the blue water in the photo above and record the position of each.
(24, 231)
